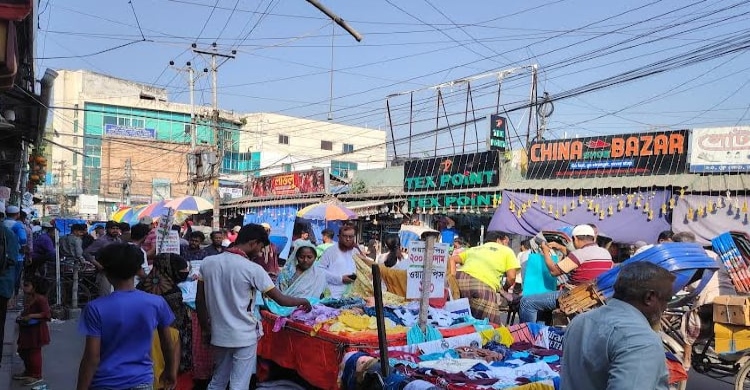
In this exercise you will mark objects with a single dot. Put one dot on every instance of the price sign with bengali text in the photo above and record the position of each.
(415, 270)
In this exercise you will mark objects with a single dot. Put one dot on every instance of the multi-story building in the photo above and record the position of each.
(125, 142)
(289, 144)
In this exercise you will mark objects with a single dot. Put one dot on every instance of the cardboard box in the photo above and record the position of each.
(731, 338)
(731, 309)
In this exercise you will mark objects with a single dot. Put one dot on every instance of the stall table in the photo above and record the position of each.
(316, 356)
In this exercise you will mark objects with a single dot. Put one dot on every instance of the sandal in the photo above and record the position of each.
(33, 381)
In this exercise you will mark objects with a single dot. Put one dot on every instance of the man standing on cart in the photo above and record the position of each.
(579, 266)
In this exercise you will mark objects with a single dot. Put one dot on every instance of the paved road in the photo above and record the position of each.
(697, 381)
(60, 358)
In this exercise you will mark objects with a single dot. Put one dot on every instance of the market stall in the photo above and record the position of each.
(295, 344)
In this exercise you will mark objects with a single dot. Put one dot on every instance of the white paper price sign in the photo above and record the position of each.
(415, 270)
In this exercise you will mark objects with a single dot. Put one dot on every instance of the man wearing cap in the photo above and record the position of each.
(44, 249)
(226, 289)
(13, 214)
(112, 237)
(268, 257)
(582, 265)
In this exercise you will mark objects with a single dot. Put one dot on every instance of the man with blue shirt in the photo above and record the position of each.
(118, 329)
(8, 253)
(12, 222)
(615, 346)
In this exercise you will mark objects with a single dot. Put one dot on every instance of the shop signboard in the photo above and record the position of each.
(52, 210)
(654, 153)
(128, 132)
(498, 133)
(464, 171)
(311, 182)
(464, 199)
(88, 204)
(415, 270)
(720, 150)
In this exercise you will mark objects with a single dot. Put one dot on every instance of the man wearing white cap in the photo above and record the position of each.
(583, 264)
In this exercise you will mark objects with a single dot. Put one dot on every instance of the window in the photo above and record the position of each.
(75, 126)
(283, 139)
(342, 168)
(347, 148)
(326, 145)
(138, 123)
(75, 159)
(187, 128)
(286, 167)
(125, 122)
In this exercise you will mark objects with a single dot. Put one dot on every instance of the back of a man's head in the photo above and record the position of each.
(251, 232)
(120, 261)
(636, 279)
(494, 235)
(139, 231)
(665, 236)
(684, 237)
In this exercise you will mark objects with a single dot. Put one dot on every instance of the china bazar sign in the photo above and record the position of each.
(465, 171)
(655, 153)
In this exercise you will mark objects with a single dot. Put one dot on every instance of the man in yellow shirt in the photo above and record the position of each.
(483, 268)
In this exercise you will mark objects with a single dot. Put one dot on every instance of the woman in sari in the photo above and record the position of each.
(299, 277)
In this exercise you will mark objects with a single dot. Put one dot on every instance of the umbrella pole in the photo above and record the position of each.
(380, 320)
(424, 300)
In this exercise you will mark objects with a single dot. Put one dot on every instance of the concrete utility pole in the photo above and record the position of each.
(219, 133)
(128, 182)
(192, 181)
(62, 199)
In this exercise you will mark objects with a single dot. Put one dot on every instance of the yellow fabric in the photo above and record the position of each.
(534, 386)
(394, 279)
(488, 263)
(501, 335)
(352, 323)
(362, 286)
(157, 357)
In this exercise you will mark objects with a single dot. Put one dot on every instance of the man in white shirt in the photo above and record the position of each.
(338, 261)
(226, 289)
(138, 234)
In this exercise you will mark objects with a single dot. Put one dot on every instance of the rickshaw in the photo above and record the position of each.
(734, 251)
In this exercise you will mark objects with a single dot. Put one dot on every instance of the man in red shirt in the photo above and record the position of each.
(583, 264)
(232, 234)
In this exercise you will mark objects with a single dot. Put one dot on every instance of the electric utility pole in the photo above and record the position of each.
(219, 132)
(188, 68)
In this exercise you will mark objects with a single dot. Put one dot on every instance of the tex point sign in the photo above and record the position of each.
(459, 172)
(654, 153)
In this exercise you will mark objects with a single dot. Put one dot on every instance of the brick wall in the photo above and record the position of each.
(149, 160)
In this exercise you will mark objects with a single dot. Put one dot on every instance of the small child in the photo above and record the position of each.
(33, 331)
(119, 328)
